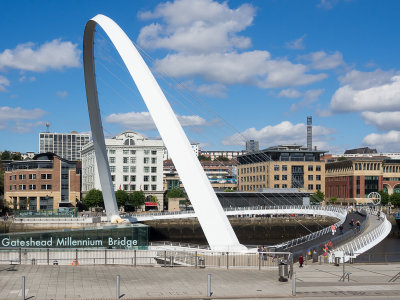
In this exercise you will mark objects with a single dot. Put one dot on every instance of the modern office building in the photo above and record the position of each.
(252, 146)
(284, 166)
(65, 145)
(354, 178)
(136, 164)
(221, 174)
(46, 182)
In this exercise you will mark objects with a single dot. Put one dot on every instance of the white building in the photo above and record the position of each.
(195, 147)
(65, 145)
(136, 163)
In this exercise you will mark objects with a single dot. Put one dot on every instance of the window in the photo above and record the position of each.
(125, 187)
(133, 160)
(64, 186)
(45, 186)
(146, 169)
(276, 177)
(32, 176)
(14, 187)
(112, 151)
(112, 160)
(310, 186)
(318, 187)
(153, 152)
(133, 187)
(32, 186)
(276, 167)
(145, 160)
(112, 169)
(145, 178)
(133, 169)
(22, 176)
(318, 177)
(153, 187)
(310, 177)
(125, 169)
(22, 187)
(112, 177)
(153, 169)
(64, 176)
(284, 186)
(45, 176)
(133, 177)
(276, 186)
(284, 177)
(153, 160)
(14, 177)
(146, 187)
(125, 177)
(153, 178)
(284, 167)
(146, 152)
(133, 152)
(125, 160)
(317, 168)
(125, 152)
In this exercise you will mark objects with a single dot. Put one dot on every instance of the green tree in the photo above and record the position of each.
(317, 197)
(229, 190)
(137, 198)
(333, 200)
(342, 158)
(395, 199)
(1, 180)
(203, 157)
(384, 197)
(175, 193)
(222, 158)
(16, 156)
(94, 198)
(122, 198)
(6, 155)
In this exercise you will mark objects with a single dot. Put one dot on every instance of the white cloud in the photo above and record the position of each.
(282, 133)
(310, 97)
(382, 120)
(3, 83)
(362, 80)
(290, 93)
(385, 97)
(387, 142)
(327, 4)
(51, 55)
(16, 115)
(297, 44)
(197, 26)
(62, 94)
(323, 61)
(252, 68)
(212, 90)
(144, 121)
(26, 127)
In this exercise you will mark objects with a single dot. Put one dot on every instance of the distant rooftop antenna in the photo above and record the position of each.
(47, 127)
(309, 133)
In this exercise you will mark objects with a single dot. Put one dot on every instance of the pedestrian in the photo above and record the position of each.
(333, 228)
(301, 261)
(379, 214)
(351, 223)
(358, 226)
(341, 228)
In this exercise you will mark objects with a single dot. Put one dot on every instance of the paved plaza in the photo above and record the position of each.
(99, 282)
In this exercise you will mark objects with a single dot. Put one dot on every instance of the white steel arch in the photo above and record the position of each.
(215, 224)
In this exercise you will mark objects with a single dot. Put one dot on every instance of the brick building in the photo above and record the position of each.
(44, 183)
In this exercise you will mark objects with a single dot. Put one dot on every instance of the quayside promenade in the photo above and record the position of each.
(314, 281)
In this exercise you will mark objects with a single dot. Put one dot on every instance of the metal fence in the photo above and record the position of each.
(164, 258)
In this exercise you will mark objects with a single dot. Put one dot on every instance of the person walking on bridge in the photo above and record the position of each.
(333, 228)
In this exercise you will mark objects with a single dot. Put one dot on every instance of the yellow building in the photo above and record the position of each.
(284, 166)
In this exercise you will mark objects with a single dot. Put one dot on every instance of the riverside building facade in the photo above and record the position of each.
(136, 164)
(354, 178)
(65, 145)
(46, 182)
(283, 166)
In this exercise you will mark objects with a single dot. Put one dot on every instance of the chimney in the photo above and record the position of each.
(309, 133)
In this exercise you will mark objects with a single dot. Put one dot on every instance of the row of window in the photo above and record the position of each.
(276, 186)
(310, 177)
(132, 169)
(310, 168)
(252, 178)
(31, 176)
(132, 187)
(253, 169)
(132, 178)
(32, 187)
(125, 152)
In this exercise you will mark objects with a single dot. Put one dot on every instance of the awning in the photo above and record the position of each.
(150, 203)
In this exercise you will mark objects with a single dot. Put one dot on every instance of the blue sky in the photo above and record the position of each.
(246, 70)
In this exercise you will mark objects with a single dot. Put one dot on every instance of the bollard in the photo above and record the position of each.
(294, 284)
(118, 284)
(23, 288)
(209, 293)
